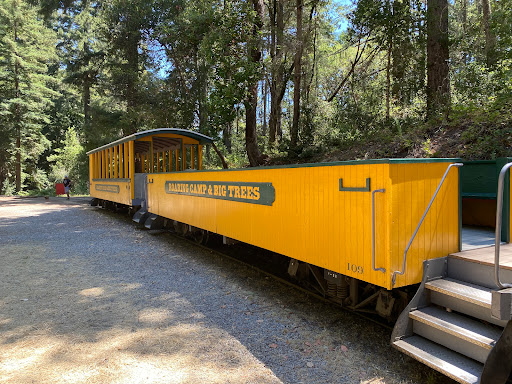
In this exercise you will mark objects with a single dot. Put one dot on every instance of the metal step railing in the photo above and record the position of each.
(497, 237)
(393, 280)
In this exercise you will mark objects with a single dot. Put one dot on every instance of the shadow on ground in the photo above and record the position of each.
(86, 297)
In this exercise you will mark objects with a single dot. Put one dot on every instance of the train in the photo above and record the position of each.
(415, 241)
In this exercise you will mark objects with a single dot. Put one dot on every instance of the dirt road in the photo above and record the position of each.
(86, 297)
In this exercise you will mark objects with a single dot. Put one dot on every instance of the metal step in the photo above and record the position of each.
(476, 272)
(452, 364)
(467, 298)
(140, 216)
(461, 334)
(468, 292)
(154, 221)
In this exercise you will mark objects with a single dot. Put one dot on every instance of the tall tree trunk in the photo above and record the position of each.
(226, 136)
(251, 104)
(264, 118)
(490, 38)
(86, 87)
(203, 98)
(464, 28)
(388, 78)
(86, 99)
(17, 112)
(132, 56)
(438, 55)
(251, 142)
(277, 75)
(297, 79)
(314, 63)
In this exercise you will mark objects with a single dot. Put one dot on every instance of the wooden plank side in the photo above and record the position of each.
(310, 219)
(413, 187)
(113, 190)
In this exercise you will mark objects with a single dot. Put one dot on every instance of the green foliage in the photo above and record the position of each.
(26, 90)
(66, 159)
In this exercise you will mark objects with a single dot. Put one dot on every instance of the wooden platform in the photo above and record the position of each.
(486, 255)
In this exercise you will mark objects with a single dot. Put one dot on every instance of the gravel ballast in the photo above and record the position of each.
(88, 297)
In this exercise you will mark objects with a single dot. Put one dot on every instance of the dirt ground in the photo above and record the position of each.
(86, 297)
(62, 321)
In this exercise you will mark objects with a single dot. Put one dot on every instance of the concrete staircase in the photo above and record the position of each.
(458, 324)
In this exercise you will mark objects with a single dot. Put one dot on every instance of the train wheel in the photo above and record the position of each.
(200, 236)
(180, 228)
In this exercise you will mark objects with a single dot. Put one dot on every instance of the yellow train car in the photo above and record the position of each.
(115, 169)
(351, 218)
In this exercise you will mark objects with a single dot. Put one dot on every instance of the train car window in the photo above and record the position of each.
(115, 163)
(126, 160)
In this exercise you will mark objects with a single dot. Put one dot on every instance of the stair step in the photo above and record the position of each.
(462, 327)
(153, 222)
(449, 363)
(467, 292)
(140, 215)
(468, 337)
(480, 272)
(149, 221)
(463, 297)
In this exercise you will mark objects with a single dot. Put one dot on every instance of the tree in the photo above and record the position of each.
(27, 46)
(127, 25)
(82, 50)
(297, 76)
(438, 57)
(251, 103)
(68, 159)
(490, 38)
(279, 74)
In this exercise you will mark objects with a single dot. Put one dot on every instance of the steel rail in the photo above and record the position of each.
(497, 234)
(383, 270)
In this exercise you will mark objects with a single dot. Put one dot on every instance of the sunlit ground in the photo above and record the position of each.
(67, 316)
(62, 323)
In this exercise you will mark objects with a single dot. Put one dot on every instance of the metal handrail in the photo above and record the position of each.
(373, 230)
(393, 280)
(497, 237)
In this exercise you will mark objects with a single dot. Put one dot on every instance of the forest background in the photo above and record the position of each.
(273, 81)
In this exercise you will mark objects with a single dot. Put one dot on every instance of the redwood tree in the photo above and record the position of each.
(251, 103)
(438, 55)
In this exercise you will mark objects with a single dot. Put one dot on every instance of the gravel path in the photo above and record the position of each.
(87, 297)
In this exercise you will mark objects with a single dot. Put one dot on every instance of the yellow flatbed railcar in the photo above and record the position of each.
(322, 214)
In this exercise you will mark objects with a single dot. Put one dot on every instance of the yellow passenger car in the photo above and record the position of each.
(353, 218)
(116, 169)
